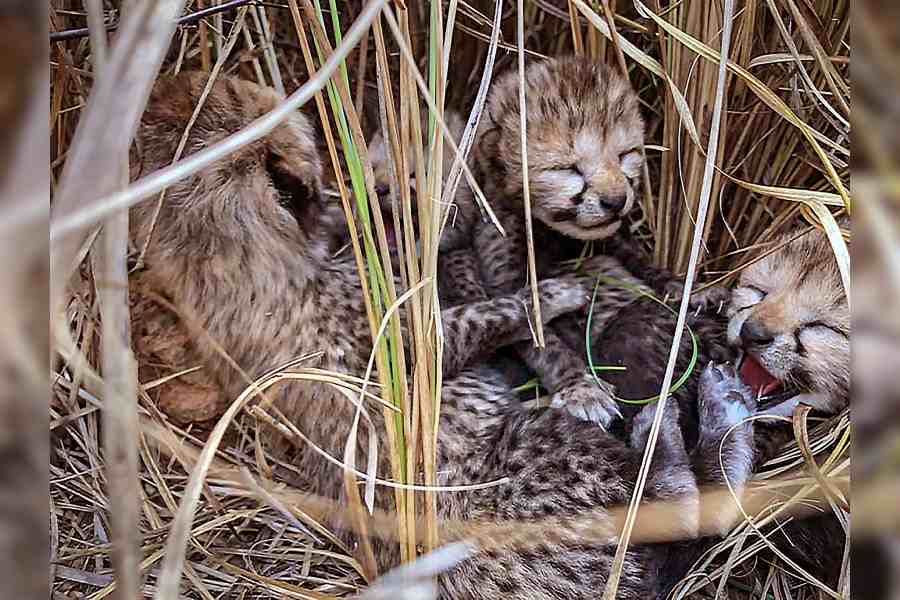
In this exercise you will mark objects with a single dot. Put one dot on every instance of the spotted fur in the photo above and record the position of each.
(584, 140)
(239, 252)
(561, 468)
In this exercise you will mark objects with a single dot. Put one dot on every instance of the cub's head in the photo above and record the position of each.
(584, 139)
(270, 187)
(789, 313)
(382, 160)
(385, 170)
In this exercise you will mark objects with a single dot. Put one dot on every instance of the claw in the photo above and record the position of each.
(733, 396)
(588, 402)
(597, 416)
(617, 413)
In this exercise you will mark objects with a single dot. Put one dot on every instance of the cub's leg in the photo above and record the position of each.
(459, 280)
(561, 370)
(479, 328)
(724, 451)
(725, 448)
(564, 372)
(671, 478)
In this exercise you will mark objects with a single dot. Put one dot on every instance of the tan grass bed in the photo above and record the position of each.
(782, 160)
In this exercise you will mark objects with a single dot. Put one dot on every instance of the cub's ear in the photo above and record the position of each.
(488, 144)
(298, 187)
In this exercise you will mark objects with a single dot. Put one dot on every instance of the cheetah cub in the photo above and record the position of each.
(584, 141)
(790, 315)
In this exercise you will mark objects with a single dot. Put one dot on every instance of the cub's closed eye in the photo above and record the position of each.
(759, 291)
(819, 325)
(573, 169)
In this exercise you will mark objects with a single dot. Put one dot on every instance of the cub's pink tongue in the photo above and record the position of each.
(756, 376)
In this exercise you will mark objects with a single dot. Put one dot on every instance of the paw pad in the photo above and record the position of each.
(588, 401)
(725, 400)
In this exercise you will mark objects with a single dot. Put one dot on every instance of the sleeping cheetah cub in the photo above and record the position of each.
(585, 135)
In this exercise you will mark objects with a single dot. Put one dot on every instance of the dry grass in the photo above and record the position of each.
(782, 155)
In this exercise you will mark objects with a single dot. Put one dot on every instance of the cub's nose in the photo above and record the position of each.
(614, 202)
(754, 332)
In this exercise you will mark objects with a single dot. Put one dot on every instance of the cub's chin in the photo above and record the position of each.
(586, 234)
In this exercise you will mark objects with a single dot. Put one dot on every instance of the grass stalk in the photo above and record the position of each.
(390, 355)
(526, 196)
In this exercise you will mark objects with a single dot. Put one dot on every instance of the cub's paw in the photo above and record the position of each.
(724, 400)
(560, 296)
(589, 401)
(726, 446)
(642, 423)
(711, 300)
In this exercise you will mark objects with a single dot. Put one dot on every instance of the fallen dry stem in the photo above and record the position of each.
(602, 526)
